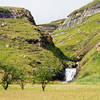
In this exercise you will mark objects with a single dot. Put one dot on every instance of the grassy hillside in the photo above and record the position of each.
(23, 45)
(76, 41)
(90, 67)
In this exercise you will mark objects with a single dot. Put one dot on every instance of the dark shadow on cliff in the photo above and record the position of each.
(60, 55)
(57, 52)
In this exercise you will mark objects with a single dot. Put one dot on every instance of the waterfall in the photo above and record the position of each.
(70, 74)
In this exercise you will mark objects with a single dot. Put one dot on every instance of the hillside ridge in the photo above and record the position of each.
(79, 16)
(79, 39)
(25, 46)
(14, 12)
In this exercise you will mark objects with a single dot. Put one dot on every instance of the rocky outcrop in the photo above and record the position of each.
(78, 16)
(52, 26)
(11, 12)
(44, 40)
(48, 28)
(98, 47)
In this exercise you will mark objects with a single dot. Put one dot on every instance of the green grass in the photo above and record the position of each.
(17, 52)
(80, 39)
(5, 9)
(18, 28)
(90, 67)
(53, 92)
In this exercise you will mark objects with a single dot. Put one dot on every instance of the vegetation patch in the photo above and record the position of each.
(80, 39)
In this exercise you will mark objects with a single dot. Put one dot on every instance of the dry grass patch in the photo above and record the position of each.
(53, 92)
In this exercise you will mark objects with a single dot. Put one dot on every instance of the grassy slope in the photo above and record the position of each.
(16, 52)
(78, 40)
(90, 67)
(81, 40)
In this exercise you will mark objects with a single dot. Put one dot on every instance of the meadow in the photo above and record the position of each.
(53, 92)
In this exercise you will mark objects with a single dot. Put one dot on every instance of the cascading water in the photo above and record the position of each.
(70, 74)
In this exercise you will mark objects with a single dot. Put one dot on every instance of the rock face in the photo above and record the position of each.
(98, 47)
(46, 39)
(52, 26)
(78, 16)
(48, 28)
(11, 12)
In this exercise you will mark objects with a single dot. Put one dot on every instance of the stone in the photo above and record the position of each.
(98, 47)
(17, 13)
(7, 45)
(78, 16)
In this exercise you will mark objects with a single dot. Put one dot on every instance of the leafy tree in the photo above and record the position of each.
(9, 75)
(44, 75)
(21, 78)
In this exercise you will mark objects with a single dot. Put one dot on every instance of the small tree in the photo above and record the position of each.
(9, 75)
(21, 78)
(6, 80)
(44, 75)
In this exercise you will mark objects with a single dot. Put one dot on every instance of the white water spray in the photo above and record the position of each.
(70, 74)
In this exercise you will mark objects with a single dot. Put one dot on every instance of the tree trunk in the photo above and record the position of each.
(22, 85)
(6, 86)
(43, 86)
